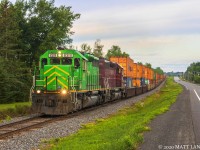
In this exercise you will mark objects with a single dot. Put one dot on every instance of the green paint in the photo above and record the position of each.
(58, 69)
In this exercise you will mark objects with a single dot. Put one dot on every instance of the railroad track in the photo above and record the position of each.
(15, 128)
(9, 130)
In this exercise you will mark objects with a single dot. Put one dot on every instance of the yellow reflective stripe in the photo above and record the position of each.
(62, 70)
(61, 76)
(62, 84)
(51, 75)
(49, 70)
(57, 76)
(50, 81)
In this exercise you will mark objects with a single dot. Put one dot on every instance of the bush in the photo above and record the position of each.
(197, 79)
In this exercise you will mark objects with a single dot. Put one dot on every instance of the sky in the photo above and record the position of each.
(163, 33)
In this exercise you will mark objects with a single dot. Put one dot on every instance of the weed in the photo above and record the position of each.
(8, 118)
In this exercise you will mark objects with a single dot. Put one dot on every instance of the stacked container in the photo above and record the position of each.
(139, 74)
(135, 70)
(127, 64)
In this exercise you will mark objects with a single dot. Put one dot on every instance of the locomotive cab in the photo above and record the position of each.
(59, 74)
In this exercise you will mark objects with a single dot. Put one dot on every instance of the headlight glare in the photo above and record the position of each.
(64, 92)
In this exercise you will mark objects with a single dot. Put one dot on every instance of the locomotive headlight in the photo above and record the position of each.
(59, 54)
(38, 91)
(64, 92)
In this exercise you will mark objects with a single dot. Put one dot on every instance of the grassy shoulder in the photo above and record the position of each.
(14, 109)
(124, 130)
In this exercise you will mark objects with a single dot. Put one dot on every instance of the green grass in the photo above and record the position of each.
(14, 109)
(13, 105)
(124, 130)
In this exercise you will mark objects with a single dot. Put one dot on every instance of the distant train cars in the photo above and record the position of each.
(68, 80)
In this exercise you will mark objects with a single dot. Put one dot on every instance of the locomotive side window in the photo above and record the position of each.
(66, 61)
(77, 62)
(84, 65)
(44, 62)
(55, 61)
(118, 70)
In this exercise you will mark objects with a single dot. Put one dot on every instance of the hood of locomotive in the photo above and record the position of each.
(54, 78)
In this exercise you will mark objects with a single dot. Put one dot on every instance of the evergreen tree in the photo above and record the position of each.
(27, 29)
(9, 31)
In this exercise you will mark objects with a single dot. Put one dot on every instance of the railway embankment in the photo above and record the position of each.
(124, 129)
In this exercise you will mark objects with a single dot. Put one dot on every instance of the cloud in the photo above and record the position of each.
(138, 19)
(158, 32)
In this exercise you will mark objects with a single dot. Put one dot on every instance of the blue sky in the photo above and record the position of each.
(163, 33)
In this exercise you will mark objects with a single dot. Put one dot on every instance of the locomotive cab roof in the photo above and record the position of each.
(54, 53)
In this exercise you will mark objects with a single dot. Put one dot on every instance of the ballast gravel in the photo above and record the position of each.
(32, 139)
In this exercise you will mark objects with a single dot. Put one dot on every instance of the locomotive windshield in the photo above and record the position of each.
(54, 61)
(66, 61)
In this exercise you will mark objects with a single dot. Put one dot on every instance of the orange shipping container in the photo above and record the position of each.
(145, 72)
(150, 74)
(138, 82)
(139, 71)
(134, 82)
(134, 71)
(126, 63)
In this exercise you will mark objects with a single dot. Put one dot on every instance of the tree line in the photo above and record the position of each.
(27, 29)
(113, 51)
(193, 72)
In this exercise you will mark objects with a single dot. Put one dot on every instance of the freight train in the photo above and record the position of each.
(68, 81)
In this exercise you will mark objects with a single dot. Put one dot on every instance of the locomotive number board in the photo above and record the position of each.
(63, 55)
(67, 55)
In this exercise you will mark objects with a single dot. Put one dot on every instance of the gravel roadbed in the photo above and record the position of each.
(32, 139)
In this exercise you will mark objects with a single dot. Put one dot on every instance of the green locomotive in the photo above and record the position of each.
(62, 81)
(67, 81)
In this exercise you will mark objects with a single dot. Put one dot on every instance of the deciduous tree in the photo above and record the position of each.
(98, 49)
